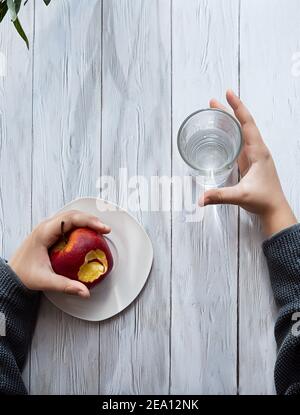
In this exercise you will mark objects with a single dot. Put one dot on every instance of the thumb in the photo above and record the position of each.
(66, 285)
(224, 195)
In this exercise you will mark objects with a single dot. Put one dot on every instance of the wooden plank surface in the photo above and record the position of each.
(66, 164)
(136, 134)
(204, 254)
(270, 35)
(113, 96)
(15, 137)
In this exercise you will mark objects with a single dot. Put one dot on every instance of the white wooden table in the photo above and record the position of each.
(106, 85)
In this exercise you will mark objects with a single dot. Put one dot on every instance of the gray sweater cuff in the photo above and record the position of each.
(12, 285)
(282, 252)
(18, 304)
(18, 307)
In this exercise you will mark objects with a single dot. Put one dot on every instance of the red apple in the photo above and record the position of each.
(83, 255)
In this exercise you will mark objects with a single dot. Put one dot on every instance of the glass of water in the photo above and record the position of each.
(210, 141)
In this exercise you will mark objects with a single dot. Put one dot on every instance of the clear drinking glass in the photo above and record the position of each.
(210, 141)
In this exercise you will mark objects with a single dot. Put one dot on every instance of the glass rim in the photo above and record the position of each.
(226, 166)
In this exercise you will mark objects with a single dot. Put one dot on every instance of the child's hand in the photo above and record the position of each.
(31, 261)
(259, 190)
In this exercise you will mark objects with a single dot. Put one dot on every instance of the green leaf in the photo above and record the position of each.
(3, 10)
(21, 32)
(17, 5)
(12, 8)
(47, 2)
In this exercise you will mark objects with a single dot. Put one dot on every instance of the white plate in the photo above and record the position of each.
(133, 255)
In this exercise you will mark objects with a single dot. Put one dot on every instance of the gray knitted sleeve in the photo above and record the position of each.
(18, 309)
(283, 257)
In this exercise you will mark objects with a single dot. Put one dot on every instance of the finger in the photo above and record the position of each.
(225, 195)
(214, 103)
(241, 112)
(75, 219)
(65, 285)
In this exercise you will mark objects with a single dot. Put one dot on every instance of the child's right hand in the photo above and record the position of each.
(31, 261)
(259, 190)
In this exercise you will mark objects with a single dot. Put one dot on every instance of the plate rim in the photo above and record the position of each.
(91, 198)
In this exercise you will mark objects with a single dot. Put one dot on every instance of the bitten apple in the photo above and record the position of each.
(83, 255)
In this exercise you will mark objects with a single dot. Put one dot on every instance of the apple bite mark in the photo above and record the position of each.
(83, 255)
(94, 266)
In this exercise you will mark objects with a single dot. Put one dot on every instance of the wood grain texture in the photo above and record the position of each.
(204, 254)
(106, 87)
(66, 164)
(15, 137)
(270, 36)
(136, 133)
